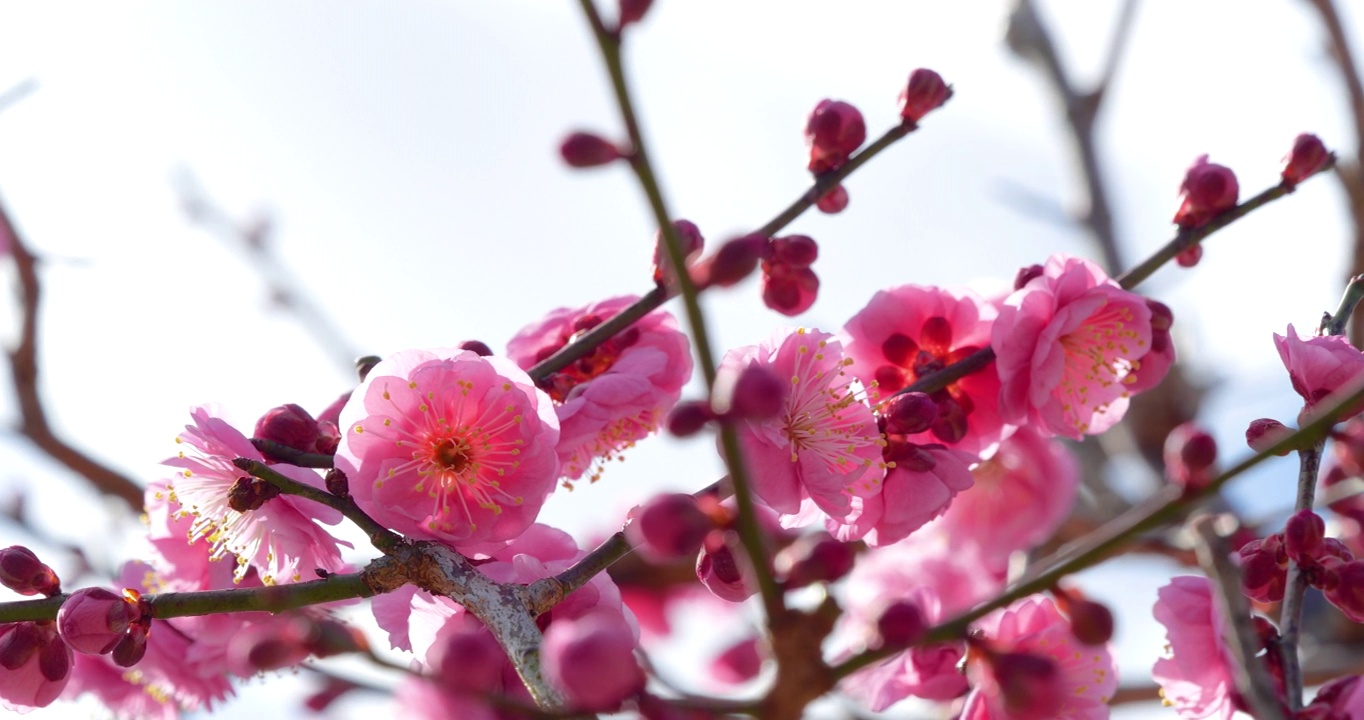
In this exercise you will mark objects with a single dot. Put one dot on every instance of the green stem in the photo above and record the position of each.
(292, 456)
(382, 538)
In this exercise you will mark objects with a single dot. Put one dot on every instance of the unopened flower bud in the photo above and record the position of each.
(721, 573)
(363, 365)
(1208, 190)
(687, 418)
(925, 92)
(790, 291)
(833, 132)
(35, 664)
(290, 426)
(1190, 257)
(632, 11)
(1265, 433)
(1031, 686)
(1303, 535)
(758, 394)
(739, 663)
(477, 347)
(1190, 453)
(591, 658)
(834, 201)
(1264, 569)
(22, 572)
(93, 620)
(692, 245)
(669, 527)
(1090, 622)
(814, 558)
(909, 413)
(901, 624)
(130, 648)
(734, 261)
(793, 251)
(1345, 589)
(249, 493)
(337, 483)
(270, 646)
(469, 660)
(1308, 156)
(1026, 274)
(586, 150)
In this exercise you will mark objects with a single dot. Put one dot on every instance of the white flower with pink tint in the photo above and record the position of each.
(615, 395)
(823, 440)
(279, 535)
(448, 445)
(1071, 347)
(1080, 681)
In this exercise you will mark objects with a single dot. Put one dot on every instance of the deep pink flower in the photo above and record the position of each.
(591, 658)
(449, 445)
(1034, 626)
(614, 396)
(34, 665)
(281, 538)
(93, 620)
(1071, 346)
(824, 440)
(911, 331)
(919, 486)
(1196, 680)
(1319, 366)
(1021, 496)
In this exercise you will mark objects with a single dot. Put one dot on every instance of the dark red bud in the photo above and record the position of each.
(734, 261)
(632, 11)
(22, 572)
(1190, 453)
(758, 394)
(585, 150)
(290, 426)
(1264, 433)
(1025, 275)
(814, 558)
(926, 91)
(687, 418)
(1031, 685)
(1190, 257)
(909, 413)
(1308, 157)
(834, 131)
(1207, 191)
(901, 624)
(834, 201)
(1091, 623)
(130, 650)
(669, 527)
(692, 244)
(720, 572)
(790, 291)
(1303, 536)
(478, 347)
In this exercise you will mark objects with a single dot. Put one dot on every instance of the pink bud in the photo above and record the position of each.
(468, 660)
(692, 245)
(1031, 686)
(721, 573)
(1346, 590)
(592, 659)
(834, 131)
(1308, 157)
(734, 261)
(909, 413)
(477, 347)
(1190, 257)
(1303, 536)
(22, 572)
(669, 527)
(632, 11)
(758, 394)
(793, 251)
(901, 624)
(925, 92)
(93, 620)
(1265, 433)
(687, 418)
(1264, 569)
(270, 646)
(789, 291)
(1207, 191)
(585, 150)
(834, 201)
(290, 426)
(1190, 453)
(1090, 622)
(813, 558)
(35, 664)
(1025, 275)
(739, 663)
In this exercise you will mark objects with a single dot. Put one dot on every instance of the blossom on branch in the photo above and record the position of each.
(449, 445)
(615, 395)
(1319, 366)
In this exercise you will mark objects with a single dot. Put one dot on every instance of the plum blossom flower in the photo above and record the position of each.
(1319, 366)
(911, 331)
(920, 483)
(1196, 679)
(1034, 626)
(279, 537)
(35, 665)
(449, 445)
(1071, 346)
(615, 395)
(823, 440)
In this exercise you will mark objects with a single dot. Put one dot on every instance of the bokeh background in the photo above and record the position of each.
(389, 179)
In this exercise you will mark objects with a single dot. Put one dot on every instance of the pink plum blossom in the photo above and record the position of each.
(615, 395)
(591, 659)
(448, 445)
(823, 440)
(1021, 496)
(1071, 346)
(280, 538)
(911, 331)
(35, 664)
(919, 485)
(1196, 679)
(1319, 366)
(1034, 626)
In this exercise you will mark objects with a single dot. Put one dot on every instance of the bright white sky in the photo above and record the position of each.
(407, 152)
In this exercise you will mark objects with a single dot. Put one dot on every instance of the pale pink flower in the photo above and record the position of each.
(281, 539)
(919, 485)
(1021, 496)
(448, 445)
(911, 331)
(1034, 626)
(1319, 366)
(615, 395)
(1196, 679)
(1070, 347)
(823, 440)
